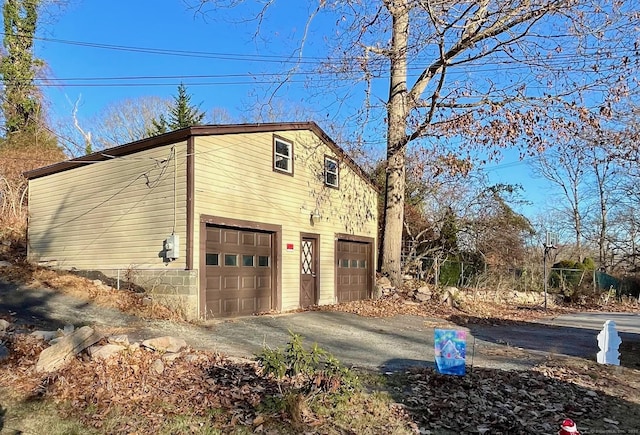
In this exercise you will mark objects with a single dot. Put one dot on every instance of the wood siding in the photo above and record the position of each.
(234, 178)
(111, 214)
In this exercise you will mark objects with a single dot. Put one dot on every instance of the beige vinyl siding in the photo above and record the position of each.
(110, 214)
(235, 179)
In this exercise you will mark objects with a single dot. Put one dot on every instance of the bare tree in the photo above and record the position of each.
(564, 166)
(480, 73)
(127, 120)
(605, 173)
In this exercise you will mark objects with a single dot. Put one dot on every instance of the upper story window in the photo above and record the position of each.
(282, 156)
(331, 172)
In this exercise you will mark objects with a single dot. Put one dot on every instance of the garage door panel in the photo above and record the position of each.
(213, 236)
(230, 282)
(230, 306)
(242, 281)
(248, 305)
(248, 282)
(264, 240)
(248, 239)
(230, 237)
(264, 282)
(213, 283)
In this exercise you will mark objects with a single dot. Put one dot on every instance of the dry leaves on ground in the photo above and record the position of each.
(476, 312)
(192, 383)
(495, 401)
(127, 301)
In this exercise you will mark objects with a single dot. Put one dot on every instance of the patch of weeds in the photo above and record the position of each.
(306, 379)
(37, 416)
(189, 424)
(318, 369)
(365, 414)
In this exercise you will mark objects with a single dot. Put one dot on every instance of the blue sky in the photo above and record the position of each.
(213, 56)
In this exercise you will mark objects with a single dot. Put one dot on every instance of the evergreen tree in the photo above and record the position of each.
(182, 114)
(21, 103)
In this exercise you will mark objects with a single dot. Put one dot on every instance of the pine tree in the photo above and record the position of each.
(21, 104)
(182, 114)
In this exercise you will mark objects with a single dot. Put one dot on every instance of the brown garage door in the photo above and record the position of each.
(238, 271)
(354, 270)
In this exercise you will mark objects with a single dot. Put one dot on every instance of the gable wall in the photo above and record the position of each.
(112, 214)
(234, 179)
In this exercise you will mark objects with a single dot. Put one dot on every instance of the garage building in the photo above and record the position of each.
(218, 221)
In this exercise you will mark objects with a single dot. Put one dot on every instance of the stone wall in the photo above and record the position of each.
(175, 288)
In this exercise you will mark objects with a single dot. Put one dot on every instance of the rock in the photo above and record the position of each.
(422, 297)
(106, 351)
(4, 352)
(122, 339)
(195, 358)
(4, 264)
(424, 290)
(157, 366)
(453, 290)
(384, 282)
(165, 344)
(4, 325)
(68, 329)
(146, 301)
(447, 298)
(56, 356)
(97, 282)
(45, 335)
(171, 357)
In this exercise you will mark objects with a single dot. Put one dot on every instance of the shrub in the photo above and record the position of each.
(318, 368)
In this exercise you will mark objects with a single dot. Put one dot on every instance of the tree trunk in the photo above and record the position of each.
(397, 114)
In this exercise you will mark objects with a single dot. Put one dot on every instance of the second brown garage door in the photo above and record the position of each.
(239, 270)
(354, 270)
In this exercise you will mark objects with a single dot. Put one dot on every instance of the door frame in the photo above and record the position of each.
(316, 266)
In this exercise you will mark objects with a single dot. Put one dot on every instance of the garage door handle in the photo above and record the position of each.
(313, 275)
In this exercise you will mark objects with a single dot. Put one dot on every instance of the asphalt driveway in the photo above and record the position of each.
(375, 343)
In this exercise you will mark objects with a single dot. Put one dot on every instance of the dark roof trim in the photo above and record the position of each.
(185, 133)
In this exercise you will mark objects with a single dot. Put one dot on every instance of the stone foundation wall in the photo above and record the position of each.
(178, 289)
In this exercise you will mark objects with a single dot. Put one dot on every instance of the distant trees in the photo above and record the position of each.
(493, 229)
(27, 142)
(466, 74)
(128, 120)
(565, 166)
(134, 119)
(181, 114)
(21, 103)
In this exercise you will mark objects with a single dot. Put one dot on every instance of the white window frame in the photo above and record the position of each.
(336, 173)
(279, 156)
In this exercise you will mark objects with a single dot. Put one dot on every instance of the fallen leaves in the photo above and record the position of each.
(496, 401)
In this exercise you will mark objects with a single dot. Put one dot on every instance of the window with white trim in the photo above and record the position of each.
(282, 156)
(331, 172)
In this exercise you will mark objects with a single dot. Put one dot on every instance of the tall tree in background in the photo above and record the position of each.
(566, 167)
(473, 74)
(21, 103)
(181, 114)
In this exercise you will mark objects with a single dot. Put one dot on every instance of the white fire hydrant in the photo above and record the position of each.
(609, 342)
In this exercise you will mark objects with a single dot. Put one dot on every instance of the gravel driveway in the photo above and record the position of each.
(375, 343)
